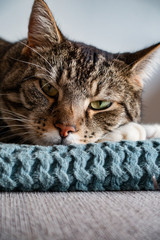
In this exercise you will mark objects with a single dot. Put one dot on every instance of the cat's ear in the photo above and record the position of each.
(43, 29)
(144, 62)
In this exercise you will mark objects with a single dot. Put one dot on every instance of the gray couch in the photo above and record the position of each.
(80, 216)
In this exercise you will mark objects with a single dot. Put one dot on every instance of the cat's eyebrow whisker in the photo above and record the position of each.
(45, 84)
(48, 82)
(36, 52)
(35, 76)
(32, 64)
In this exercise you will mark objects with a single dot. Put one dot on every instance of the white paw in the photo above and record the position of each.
(131, 131)
(152, 130)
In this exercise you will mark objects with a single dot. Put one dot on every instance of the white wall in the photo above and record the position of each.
(113, 25)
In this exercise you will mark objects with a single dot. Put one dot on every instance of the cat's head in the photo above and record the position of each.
(61, 92)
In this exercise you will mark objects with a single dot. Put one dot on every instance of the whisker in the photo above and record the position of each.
(3, 94)
(36, 52)
(34, 76)
(7, 136)
(11, 112)
(45, 84)
(26, 139)
(14, 114)
(13, 135)
(32, 64)
(9, 126)
(15, 119)
(18, 116)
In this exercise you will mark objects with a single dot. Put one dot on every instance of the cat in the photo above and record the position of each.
(57, 91)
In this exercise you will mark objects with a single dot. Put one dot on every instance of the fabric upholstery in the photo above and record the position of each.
(80, 216)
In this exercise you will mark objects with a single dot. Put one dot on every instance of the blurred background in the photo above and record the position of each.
(113, 25)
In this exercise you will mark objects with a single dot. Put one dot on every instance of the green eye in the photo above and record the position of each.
(100, 105)
(48, 89)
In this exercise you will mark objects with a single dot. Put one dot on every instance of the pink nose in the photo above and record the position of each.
(65, 130)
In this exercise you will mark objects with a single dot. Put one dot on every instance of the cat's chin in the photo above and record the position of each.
(49, 139)
(50, 143)
(47, 142)
(63, 141)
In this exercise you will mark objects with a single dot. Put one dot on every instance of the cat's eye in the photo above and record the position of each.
(100, 105)
(48, 89)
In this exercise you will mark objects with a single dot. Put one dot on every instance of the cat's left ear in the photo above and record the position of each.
(144, 62)
(43, 30)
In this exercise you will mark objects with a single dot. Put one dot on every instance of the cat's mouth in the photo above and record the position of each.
(53, 138)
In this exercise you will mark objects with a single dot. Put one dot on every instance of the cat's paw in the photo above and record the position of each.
(131, 131)
(152, 130)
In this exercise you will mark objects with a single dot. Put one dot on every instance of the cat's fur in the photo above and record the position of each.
(81, 74)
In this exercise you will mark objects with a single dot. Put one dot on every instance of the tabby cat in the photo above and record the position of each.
(57, 91)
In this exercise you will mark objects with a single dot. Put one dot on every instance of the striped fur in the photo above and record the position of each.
(79, 72)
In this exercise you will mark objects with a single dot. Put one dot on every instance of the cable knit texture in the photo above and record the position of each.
(91, 167)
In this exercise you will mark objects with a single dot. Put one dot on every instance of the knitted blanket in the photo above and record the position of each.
(92, 167)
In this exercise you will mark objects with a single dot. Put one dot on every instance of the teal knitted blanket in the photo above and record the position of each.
(91, 167)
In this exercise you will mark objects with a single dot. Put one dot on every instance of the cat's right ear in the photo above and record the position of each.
(43, 30)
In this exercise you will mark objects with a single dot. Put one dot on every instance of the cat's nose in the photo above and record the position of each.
(65, 130)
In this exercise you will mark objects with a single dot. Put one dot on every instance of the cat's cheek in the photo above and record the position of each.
(46, 139)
